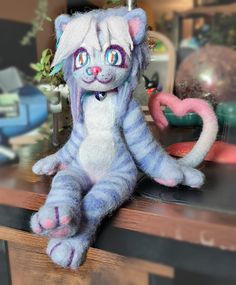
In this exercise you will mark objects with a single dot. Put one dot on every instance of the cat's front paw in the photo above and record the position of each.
(68, 253)
(192, 177)
(170, 173)
(48, 165)
(174, 173)
(55, 221)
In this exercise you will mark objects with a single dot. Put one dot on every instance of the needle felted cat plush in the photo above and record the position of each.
(102, 54)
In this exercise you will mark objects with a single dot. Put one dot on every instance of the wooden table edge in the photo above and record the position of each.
(39, 245)
(165, 220)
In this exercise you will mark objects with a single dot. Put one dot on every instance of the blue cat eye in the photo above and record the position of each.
(81, 58)
(112, 57)
(115, 56)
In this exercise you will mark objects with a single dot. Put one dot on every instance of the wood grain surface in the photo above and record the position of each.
(30, 265)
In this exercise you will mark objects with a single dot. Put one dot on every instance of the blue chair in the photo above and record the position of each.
(32, 111)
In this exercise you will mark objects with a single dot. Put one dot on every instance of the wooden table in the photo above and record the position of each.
(145, 242)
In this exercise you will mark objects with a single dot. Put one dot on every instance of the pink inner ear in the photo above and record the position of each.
(134, 26)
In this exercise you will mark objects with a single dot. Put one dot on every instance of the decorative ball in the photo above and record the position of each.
(208, 73)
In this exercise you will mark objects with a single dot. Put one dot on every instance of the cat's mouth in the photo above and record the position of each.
(96, 79)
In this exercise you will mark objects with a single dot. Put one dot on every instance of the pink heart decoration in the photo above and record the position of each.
(178, 107)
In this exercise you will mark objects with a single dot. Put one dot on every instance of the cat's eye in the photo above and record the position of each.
(115, 56)
(81, 58)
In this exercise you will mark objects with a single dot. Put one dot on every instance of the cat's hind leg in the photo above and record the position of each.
(61, 213)
(104, 197)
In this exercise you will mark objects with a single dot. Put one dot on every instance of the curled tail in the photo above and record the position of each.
(181, 108)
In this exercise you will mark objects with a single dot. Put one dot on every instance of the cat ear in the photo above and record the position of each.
(137, 21)
(60, 24)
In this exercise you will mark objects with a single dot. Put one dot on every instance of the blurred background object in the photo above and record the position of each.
(22, 109)
(160, 72)
(17, 20)
(208, 73)
(10, 79)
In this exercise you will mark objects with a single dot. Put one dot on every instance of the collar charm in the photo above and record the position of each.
(100, 96)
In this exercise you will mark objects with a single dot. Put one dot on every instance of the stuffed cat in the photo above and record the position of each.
(102, 54)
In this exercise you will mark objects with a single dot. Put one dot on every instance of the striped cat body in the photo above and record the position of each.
(102, 54)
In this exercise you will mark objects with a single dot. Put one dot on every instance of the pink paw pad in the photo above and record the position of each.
(62, 166)
(48, 224)
(169, 183)
(65, 220)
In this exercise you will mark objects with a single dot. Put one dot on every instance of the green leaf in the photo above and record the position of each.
(36, 66)
(38, 77)
(47, 59)
(44, 53)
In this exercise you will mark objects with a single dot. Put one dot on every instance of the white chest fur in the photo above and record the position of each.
(97, 151)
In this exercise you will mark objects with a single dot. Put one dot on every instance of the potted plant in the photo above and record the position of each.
(56, 90)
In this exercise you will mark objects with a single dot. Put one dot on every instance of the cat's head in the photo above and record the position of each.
(100, 45)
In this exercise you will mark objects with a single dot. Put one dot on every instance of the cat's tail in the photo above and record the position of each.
(181, 108)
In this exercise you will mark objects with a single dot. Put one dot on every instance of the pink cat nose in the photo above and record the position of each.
(95, 70)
